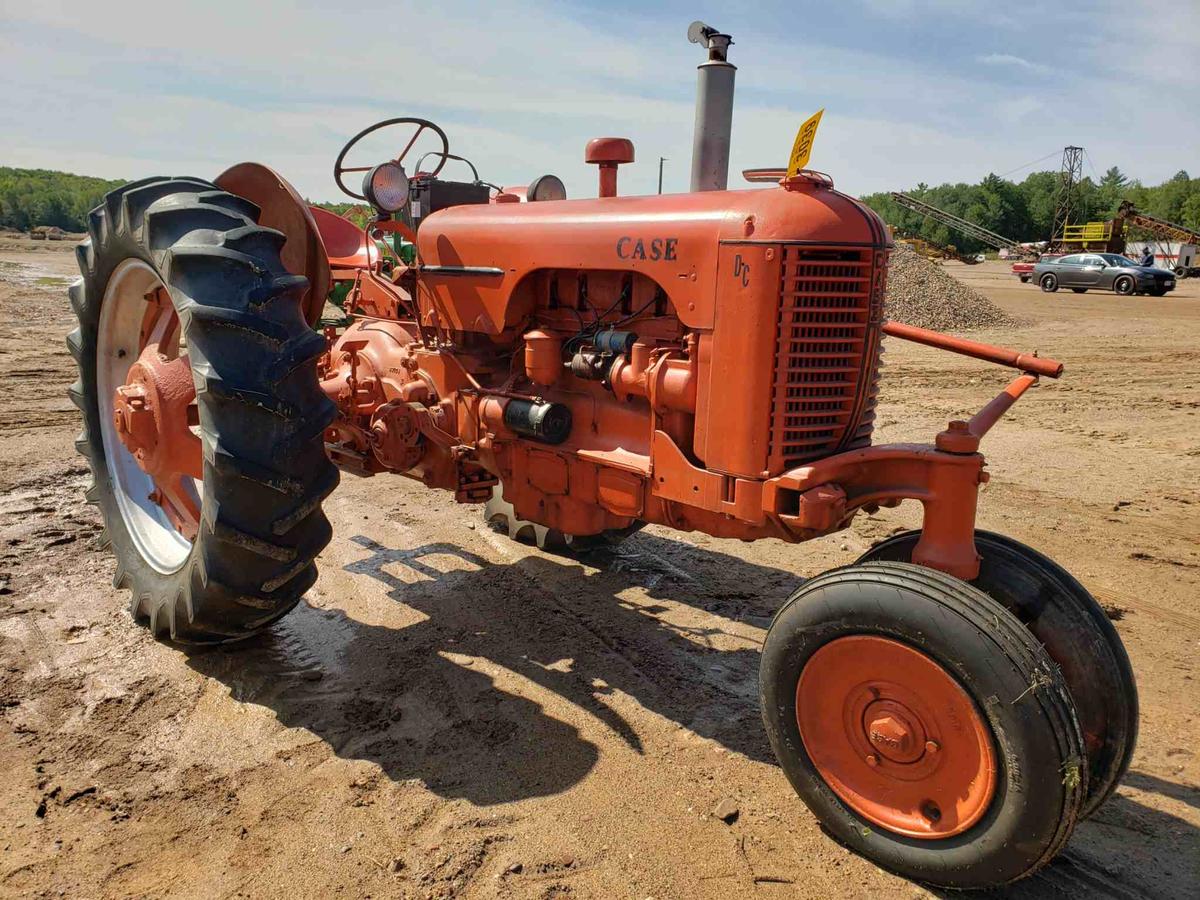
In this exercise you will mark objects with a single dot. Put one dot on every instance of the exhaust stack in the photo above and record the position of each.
(714, 110)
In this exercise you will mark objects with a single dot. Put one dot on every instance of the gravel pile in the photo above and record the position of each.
(921, 293)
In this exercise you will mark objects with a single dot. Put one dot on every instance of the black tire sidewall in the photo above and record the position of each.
(1127, 282)
(118, 247)
(1048, 283)
(1028, 807)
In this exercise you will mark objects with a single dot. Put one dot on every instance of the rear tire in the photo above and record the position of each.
(262, 414)
(1024, 279)
(1014, 688)
(1077, 634)
(1124, 285)
(1049, 282)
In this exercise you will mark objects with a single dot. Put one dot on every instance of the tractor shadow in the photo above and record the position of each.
(466, 696)
(460, 698)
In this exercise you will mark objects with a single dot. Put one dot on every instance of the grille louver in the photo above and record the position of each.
(826, 360)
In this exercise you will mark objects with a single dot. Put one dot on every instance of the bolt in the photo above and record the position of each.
(959, 426)
(889, 731)
(872, 759)
(932, 747)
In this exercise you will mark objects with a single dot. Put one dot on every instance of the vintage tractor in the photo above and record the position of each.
(949, 706)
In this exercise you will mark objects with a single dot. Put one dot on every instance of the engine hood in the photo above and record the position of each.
(480, 253)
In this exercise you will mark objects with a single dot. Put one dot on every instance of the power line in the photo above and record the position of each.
(1028, 164)
(1095, 174)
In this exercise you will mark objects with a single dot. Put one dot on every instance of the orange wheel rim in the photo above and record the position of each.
(896, 737)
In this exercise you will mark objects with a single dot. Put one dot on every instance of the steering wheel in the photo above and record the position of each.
(422, 125)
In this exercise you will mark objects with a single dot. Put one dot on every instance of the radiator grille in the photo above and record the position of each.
(827, 352)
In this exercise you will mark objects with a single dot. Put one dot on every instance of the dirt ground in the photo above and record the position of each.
(449, 713)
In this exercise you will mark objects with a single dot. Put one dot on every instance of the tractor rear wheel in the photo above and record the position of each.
(203, 420)
(1077, 634)
(923, 725)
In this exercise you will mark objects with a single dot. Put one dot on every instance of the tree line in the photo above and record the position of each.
(32, 197)
(1024, 210)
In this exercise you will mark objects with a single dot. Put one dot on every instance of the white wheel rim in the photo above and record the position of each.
(117, 347)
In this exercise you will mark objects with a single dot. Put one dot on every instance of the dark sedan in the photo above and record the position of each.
(1103, 271)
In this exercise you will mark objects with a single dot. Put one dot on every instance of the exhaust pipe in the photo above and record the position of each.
(714, 110)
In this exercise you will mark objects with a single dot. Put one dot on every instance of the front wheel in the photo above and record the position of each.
(923, 725)
(203, 419)
(1049, 282)
(1066, 620)
(1124, 285)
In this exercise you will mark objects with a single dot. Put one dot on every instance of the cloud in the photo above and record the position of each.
(1012, 61)
(122, 89)
(1014, 109)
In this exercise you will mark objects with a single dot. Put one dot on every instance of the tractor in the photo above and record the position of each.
(949, 706)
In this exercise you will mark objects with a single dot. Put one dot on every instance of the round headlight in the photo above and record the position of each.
(547, 187)
(386, 187)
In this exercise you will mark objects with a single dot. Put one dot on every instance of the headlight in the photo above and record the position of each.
(546, 187)
(386, 187)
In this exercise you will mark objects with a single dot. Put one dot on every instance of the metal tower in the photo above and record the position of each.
(1068, 181)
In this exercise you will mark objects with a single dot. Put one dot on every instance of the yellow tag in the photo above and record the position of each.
(802, 149)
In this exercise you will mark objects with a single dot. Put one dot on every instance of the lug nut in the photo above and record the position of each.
(932, 747)
(872, 759)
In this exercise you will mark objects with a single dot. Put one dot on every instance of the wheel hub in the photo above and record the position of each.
(896, 737)
(153, 409)
(151, 412)
(895, 731)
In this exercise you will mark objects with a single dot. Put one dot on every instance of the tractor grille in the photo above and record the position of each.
(827, 352)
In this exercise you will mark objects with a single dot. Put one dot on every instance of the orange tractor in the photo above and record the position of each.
(949, 706)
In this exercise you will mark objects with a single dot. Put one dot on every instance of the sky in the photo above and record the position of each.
(944, 90)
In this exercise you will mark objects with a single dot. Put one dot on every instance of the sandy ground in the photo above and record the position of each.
(452, 714)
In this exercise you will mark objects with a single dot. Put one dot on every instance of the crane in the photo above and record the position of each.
(962, 226)
(1185, 263)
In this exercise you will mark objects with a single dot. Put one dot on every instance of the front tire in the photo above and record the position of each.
(1049, 282)
(1124, 285)
(1076, 632)
(261, 414)
(970, 776)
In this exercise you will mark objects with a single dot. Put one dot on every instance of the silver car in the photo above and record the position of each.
(1103, 271)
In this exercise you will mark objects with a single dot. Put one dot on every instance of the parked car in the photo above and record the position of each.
(1082, 272)
(1024, 268)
